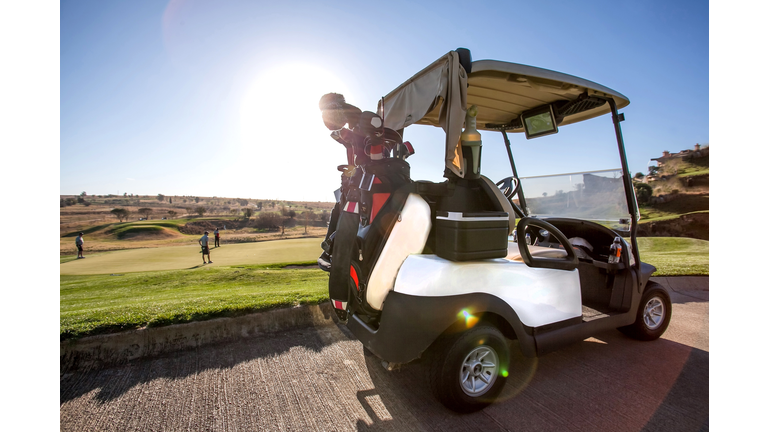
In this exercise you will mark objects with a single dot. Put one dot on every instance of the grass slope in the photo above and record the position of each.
(99, 304)
(675, 256)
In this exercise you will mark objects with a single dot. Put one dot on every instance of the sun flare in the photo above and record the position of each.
(281, 107)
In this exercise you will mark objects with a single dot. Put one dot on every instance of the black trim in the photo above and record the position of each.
(537, 331)
(410, 324)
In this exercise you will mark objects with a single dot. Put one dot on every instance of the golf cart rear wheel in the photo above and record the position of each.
(653, 314)
(469, 369)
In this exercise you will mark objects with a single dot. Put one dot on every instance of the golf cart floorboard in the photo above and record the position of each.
(588, 314)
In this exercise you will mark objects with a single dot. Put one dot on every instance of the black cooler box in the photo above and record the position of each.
(471, 236)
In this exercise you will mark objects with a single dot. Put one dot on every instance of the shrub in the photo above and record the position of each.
(644, 192)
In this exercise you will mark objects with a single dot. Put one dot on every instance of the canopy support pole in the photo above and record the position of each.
(628, 187)
(520, 193)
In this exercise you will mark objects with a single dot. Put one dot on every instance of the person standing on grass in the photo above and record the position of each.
(79, 243)
(206, 250)
(216, 237)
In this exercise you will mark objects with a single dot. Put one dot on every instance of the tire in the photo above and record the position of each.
(653, 314)
(469, 369)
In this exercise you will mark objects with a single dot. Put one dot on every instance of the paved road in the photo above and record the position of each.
(320, 379)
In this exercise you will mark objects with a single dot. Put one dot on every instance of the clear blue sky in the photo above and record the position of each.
(220, 98)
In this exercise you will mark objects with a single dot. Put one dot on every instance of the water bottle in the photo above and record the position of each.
(615, 254)
(527, 238)
(514, 236)
(471, 143)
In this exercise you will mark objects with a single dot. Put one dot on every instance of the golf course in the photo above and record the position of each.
(134, 288)
(148, 271)
(188, 257)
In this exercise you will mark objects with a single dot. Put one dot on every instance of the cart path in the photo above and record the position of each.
(320, 379)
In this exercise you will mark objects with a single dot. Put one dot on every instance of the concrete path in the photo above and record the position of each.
(319, 378)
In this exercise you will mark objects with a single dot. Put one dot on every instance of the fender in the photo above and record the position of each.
(410, 324)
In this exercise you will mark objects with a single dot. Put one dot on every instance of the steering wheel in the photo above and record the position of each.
(509, 186)
(570, 262)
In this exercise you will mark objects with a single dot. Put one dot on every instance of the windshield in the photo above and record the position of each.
(597, 196)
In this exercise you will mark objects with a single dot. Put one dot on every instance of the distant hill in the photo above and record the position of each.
(674, 196)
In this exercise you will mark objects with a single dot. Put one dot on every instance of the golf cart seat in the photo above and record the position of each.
(503, 201)
(408, 236)
(513, 253)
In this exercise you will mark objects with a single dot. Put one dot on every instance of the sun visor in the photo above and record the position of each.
(441, 85)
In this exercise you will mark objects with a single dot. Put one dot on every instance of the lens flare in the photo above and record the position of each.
(469, 319)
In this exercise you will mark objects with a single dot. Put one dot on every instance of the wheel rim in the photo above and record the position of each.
(653, 315)
(479, 371)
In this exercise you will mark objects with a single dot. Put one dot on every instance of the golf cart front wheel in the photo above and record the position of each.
(469, 369)
(653, 315)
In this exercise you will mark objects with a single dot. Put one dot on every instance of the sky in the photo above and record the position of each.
(149, 97)
(201, 98)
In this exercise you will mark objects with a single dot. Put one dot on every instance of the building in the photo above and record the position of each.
(686, 155)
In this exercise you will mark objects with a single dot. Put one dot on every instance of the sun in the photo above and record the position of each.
(281, 106)
(285, 149)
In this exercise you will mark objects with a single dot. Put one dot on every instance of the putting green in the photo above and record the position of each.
(184, 257)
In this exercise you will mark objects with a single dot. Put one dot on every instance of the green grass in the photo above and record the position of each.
(106, 303)
(675, 256)
(122, 232)
(693, 171)
(94, 304)
(649, 214)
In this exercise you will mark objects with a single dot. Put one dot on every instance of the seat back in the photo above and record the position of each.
(408, 236)
(502, 200)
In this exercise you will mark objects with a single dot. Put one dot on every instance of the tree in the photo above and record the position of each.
(268, 220)
(200, 210)
(197, 199)
(234, 212)
(171, 214)
(160, 197)
(120, 213)
(144, 211)
(247, 212)
(643, 192)
(83, 194)
(308, 216)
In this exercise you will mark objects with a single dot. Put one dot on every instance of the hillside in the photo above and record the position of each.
(153, 221)
(674, 197)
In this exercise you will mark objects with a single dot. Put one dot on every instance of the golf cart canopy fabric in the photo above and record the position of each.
(440, 94)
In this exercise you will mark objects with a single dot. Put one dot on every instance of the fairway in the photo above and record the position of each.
(185, 257)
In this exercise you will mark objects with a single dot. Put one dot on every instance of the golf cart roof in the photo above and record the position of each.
(440, 94)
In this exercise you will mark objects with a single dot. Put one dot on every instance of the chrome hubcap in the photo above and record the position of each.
(479, 370)
(653, 315)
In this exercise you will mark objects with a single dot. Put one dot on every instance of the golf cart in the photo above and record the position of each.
(456, 268)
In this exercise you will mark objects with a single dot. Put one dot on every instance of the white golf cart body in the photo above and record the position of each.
(423, 296)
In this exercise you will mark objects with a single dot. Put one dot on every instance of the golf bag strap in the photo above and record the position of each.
(343, 250)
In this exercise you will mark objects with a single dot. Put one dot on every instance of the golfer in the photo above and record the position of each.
(216, 237)
(206, 250)
(79, 243)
